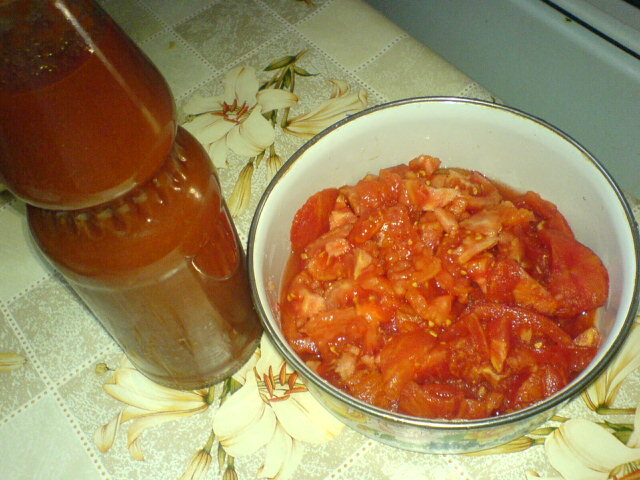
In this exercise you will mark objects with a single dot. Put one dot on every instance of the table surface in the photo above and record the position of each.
(55, 357)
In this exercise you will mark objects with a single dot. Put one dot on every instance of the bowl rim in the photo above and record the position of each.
(548, 404)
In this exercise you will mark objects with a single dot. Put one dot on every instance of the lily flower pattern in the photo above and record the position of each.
(234, 120)
(342, 102)
(200, 462)
(583, 450)
(273, 409)
(530, 475)
(11, 361)
(147, 404)
(244, 118)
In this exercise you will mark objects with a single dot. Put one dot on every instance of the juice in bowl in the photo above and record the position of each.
(507, 146)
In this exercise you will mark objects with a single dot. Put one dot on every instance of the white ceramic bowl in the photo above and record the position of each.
(504, 144)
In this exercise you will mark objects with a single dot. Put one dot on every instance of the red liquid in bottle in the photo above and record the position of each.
(82, 120)
(163, 268)
(127, 207)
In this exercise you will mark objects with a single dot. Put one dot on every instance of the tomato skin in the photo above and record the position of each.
(425, 165)
(324, 267)
(406, 357)
(578, 278)
(312, 219)
(539, 384)
(370, 194)
(547, 211)
(502, 280)
(509, 283)
(368, 386)
(431, 400)
(365, 228)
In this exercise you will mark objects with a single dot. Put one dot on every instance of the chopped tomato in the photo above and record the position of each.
(328, 327)
(325, 267)
(540, 384)
(578, 279)
(547, 211)
(424, 165)
(369, 194)
(431, 400)
(366, 227)
(369, 387)
(409, 356)
(435, 292)
(509, 283)
(312, 220)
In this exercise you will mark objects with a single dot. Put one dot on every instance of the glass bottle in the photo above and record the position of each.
(122, 201)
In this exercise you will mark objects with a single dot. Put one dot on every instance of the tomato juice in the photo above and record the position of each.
(437, 293)
(88, 117)
(125, 204)
(163, 270)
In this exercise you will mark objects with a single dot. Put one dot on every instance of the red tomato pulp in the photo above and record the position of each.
(437, 293)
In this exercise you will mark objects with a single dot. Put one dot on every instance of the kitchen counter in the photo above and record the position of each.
(58, 421)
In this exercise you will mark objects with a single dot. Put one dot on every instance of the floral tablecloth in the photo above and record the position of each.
(252, 79)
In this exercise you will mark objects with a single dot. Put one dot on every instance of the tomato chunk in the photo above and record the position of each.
(579, 280)
(312, 220)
